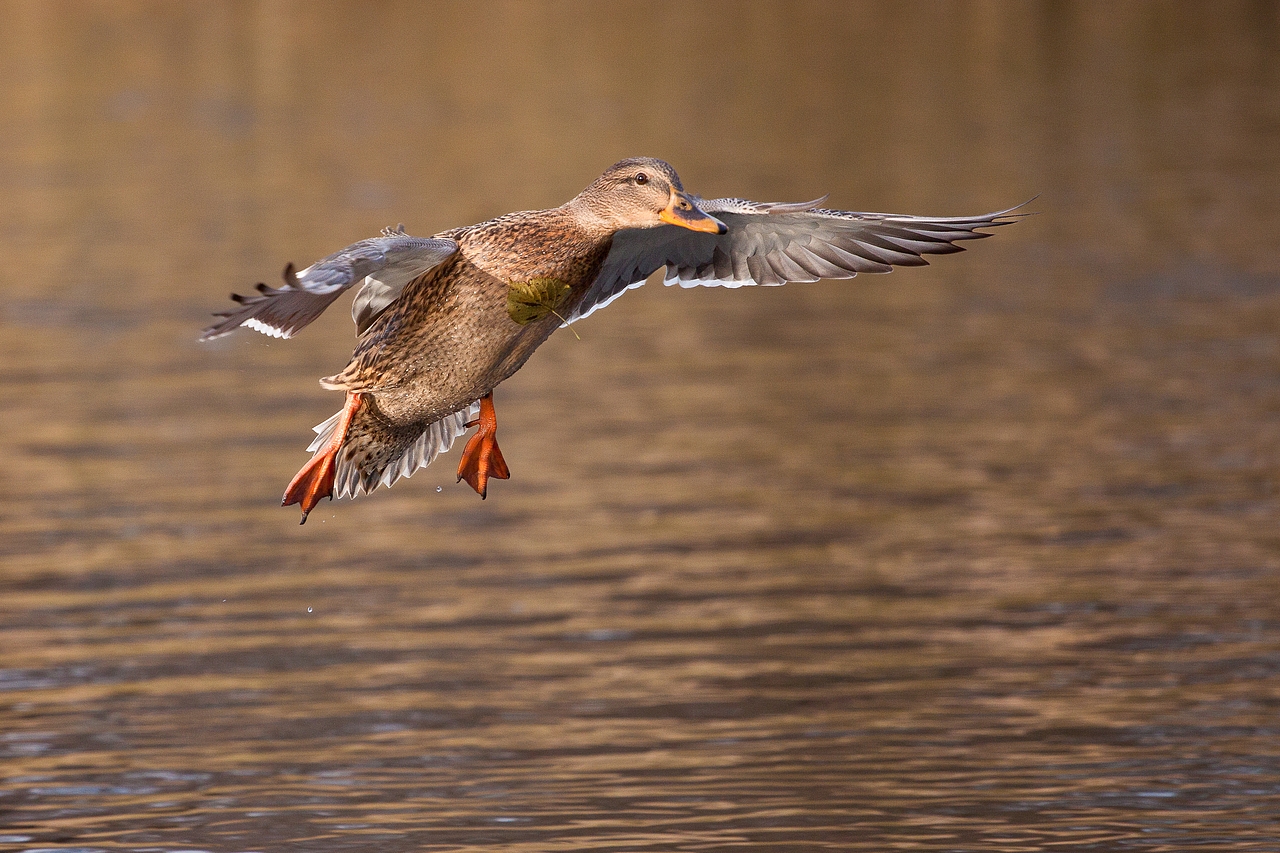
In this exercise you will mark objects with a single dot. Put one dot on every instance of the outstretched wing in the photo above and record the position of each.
(385, 264)
(774, 243)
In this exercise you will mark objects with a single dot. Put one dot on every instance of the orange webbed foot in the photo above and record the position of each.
(315, 480)
(481, 459)
(312, 483)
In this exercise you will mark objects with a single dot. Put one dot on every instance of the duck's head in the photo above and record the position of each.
(644, 193)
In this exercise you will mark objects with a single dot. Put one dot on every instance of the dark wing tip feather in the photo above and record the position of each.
(389, 261)
(274, 311)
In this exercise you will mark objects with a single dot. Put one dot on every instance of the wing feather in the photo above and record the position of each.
(771, 243)
(816, 265)
(384, 264)
(787, 269)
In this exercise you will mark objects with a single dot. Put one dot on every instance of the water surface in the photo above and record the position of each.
(980, 556)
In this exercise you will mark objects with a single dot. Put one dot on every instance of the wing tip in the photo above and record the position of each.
(229, 325)
(1008, 216)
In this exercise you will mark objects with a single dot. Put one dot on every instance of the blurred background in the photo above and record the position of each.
(982, 555)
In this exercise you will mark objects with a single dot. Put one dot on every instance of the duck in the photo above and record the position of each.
(441, 321)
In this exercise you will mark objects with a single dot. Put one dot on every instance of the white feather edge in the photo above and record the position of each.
(673, 278)
(594, 308)
(688, 283)
(266, 329)
(435, 439)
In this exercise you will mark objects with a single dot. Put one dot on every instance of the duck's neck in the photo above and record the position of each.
(590, 218)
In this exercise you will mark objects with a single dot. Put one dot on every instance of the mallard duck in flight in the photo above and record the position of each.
(442, 320)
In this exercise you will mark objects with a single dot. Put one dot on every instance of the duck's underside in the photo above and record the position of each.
(481, 458)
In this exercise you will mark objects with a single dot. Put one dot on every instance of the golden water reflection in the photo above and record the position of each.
(978, 556)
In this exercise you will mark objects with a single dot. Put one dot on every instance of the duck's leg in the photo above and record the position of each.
(315, 480)
(482, 459)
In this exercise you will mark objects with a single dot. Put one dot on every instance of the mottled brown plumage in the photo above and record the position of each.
(448, 339)
(443, 320)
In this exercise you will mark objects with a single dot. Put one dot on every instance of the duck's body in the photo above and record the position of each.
(449, 339)
(442, 321)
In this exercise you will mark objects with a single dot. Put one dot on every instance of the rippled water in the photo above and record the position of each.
(982, 556)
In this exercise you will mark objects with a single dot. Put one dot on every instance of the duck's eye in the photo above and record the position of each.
(641, 178)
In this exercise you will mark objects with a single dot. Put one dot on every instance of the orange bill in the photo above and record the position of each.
(683, 212)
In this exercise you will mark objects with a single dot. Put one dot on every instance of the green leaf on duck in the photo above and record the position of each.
(534, 299)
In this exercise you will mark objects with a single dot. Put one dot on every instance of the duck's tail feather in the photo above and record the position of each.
(377, 452)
